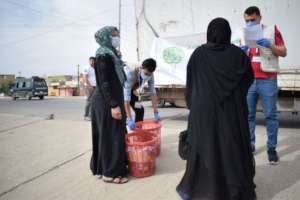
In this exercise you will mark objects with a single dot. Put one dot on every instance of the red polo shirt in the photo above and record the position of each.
(254, 52)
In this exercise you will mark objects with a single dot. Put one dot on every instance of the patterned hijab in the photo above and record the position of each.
(103, 38)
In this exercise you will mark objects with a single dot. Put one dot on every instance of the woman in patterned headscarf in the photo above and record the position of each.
(108, 114)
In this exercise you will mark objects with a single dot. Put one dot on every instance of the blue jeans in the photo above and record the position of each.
(266, 90)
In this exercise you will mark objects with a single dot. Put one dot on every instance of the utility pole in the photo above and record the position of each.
(78, 88)
(120, 13)
(137, 18)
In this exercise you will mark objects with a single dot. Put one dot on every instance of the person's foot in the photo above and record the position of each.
(87, 118)
(117, 180)
(273, 157)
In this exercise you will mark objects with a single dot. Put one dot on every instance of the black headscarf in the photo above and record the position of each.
(220, 161)
(219, 32)
(222, 63)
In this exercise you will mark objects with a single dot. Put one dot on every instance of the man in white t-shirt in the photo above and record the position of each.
(89, 79)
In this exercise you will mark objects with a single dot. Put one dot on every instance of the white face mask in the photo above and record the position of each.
(115, 41)
(145, 77)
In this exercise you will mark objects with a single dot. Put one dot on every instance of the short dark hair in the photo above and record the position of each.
(149, 64)
(92, 58)
(252, 10)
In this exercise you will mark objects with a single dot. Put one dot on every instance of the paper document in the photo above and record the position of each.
(252, 34)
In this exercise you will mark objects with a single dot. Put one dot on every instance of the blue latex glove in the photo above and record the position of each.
(244, 48)
(264, 43)
(157, 116)
(131, 124)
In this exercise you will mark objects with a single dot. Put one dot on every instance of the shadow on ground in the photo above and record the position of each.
(271, 180)
(169, 161)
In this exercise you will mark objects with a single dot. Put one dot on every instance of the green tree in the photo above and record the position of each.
(5, 87)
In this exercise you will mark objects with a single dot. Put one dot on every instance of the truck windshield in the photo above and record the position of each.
(40, 83)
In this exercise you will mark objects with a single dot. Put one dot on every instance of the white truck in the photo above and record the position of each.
(169, 31)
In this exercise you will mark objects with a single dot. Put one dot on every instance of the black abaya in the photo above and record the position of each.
(108, 134)
(220, 164)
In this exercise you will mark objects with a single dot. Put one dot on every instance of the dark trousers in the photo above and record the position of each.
(89, 94)
(139, 112)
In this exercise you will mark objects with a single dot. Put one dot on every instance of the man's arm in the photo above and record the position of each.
(85, 77)
(153, 95)
(127, 93)
(86, 80)
(154, 103)
(127, 109)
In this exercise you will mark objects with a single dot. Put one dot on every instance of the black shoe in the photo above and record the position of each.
(273, 157)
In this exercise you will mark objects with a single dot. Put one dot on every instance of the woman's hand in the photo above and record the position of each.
(116, 113)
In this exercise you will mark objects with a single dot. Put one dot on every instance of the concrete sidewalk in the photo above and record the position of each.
(49, 159)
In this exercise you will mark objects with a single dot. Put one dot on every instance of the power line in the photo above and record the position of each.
(53, 14)
(52, 30)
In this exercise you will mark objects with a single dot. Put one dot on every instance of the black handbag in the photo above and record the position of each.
(183, 146)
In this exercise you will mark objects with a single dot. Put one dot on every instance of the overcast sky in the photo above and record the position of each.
(50, 37)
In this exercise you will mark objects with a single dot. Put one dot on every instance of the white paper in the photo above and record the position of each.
(252, 34)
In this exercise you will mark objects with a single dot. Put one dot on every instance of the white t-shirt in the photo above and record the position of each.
(90, 72)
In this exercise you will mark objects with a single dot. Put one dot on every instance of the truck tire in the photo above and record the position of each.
(173, 104)
(180, 103)
(41, 97)
(161, 103)
(28, 97)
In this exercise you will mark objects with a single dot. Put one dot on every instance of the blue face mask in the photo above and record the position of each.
(115, 41)
(145, 77)
(251, 23)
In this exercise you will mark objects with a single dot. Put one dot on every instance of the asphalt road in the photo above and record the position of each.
(69, 108)
(48, 159)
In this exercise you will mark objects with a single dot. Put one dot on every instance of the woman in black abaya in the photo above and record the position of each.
(220, 164)
(108, 113)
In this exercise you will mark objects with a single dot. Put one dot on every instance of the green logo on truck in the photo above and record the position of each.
(173, 55)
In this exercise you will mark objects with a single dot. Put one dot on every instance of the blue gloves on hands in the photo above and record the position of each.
(245, 48)
(131, 124)
(264, 42)
(156, 116)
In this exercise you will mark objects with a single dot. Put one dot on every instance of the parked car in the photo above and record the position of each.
(30, 87)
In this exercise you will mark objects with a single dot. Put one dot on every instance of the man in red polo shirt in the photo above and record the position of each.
(265, 83)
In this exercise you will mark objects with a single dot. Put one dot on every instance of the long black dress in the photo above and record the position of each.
(220, 164)
(108, 134)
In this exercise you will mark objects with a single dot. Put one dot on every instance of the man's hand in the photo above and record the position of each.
(131, 124)
(156, 116)
(264, 42)
(116, 113)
